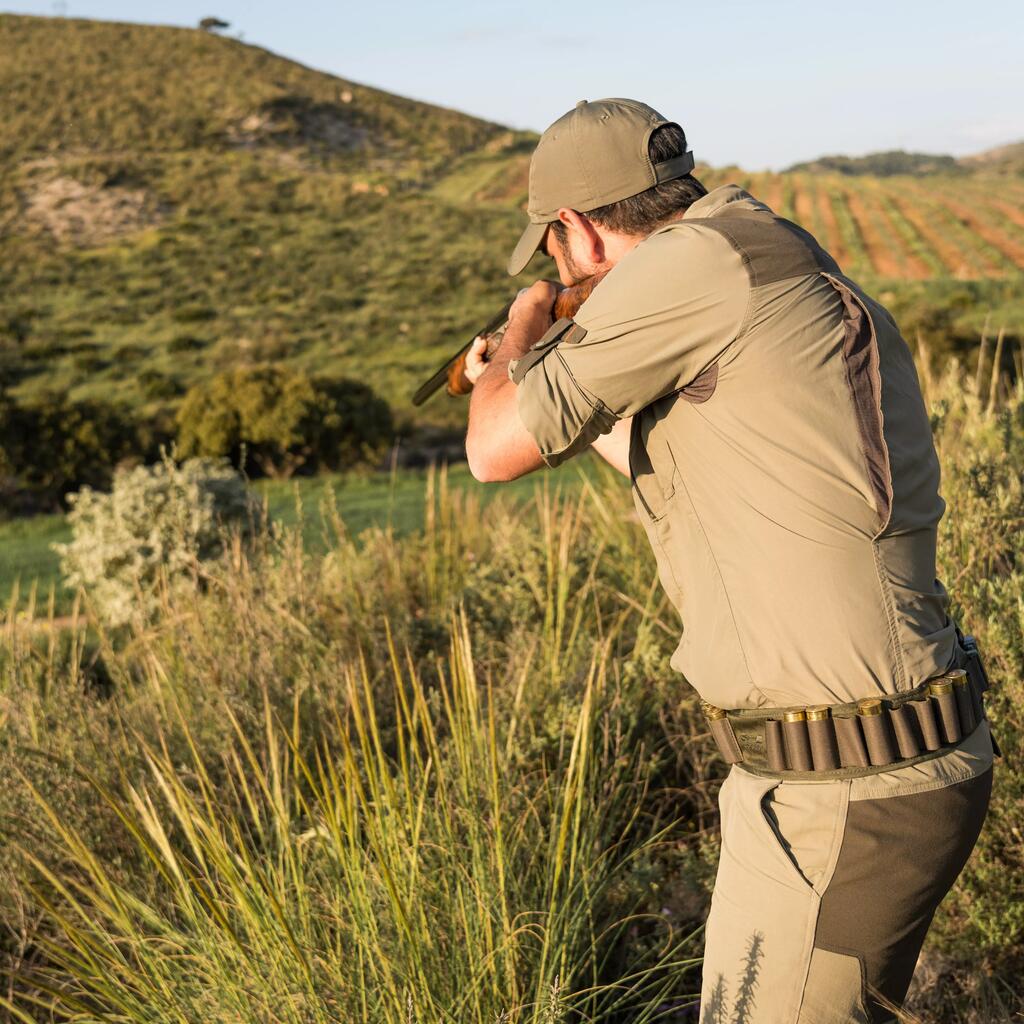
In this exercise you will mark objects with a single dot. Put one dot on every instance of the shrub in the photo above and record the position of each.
(158, 522)
(283, 420)
(54, 444)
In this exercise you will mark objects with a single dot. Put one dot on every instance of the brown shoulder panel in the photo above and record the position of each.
(772, 248)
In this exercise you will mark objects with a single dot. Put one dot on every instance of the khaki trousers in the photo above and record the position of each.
(825, 890)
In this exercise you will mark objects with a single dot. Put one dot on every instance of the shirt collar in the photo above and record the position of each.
(716, 199)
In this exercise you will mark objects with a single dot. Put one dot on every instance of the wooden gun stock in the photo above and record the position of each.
(453, 373)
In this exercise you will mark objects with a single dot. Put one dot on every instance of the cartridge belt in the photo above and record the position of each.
(860, 737)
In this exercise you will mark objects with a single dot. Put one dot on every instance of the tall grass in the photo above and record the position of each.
(397, 871)
(409, 781)
(444, 776)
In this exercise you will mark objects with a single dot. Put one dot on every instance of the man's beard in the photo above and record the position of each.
(571, 266)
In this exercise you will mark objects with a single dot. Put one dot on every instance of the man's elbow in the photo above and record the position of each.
(494, 464)
(482, 464)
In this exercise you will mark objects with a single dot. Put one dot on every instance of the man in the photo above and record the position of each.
(769, 416)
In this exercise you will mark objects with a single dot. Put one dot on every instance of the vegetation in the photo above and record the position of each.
(883, 165)
(52, 443)
(414, 752)
(283, 421)
(442, 776)
(157, 524)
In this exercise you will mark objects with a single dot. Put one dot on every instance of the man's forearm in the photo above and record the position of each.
(498, 445)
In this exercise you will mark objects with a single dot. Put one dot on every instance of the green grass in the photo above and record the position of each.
(364, 500)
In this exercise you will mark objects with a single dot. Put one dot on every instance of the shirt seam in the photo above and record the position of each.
(748, 267)
(888, 603)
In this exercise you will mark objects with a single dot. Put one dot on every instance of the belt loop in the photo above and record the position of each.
(774, 747)
(907, 729)
(925, 710)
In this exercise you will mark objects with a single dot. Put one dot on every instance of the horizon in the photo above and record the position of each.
(971, 105)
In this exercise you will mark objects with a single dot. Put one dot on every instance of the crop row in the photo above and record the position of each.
(902, 228)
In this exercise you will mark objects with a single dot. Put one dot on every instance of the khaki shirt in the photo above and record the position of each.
(781, 456)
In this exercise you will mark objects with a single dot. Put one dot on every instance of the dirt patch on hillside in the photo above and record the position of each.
(298, 121)
(84, 214)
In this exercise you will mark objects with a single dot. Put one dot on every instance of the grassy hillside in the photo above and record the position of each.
(100, 87)
(173, 202)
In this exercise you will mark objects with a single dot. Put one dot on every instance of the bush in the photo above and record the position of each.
(283, 420)
(54, 444)
(157, 523)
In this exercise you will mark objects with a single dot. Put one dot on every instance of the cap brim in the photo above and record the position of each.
(528, 244)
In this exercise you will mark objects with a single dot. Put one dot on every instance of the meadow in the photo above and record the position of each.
(443, 775)
(363, 498)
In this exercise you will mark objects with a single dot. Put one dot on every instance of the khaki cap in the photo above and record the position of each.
(594, 155)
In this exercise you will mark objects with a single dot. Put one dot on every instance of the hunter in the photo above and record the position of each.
(769, 416)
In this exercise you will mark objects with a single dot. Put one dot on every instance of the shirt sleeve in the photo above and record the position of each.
(668, 310)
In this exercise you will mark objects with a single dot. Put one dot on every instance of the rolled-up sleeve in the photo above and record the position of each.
(668, 310)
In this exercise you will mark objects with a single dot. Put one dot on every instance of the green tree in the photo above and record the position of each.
(283, 420)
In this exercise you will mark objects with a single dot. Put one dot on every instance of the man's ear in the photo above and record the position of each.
(586, 233)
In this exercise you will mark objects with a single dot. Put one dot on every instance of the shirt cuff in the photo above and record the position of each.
(562, 417)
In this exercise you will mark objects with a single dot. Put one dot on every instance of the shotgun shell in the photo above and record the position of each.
(941, 694)
(878, 735)
(798, 744)
(711, 712)
(964, 704)
(821, 731)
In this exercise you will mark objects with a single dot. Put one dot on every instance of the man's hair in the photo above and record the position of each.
(647, 210)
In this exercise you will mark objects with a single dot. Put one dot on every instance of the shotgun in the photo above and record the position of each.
(453, 373)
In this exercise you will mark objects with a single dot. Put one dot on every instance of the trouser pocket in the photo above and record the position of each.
(765, 904)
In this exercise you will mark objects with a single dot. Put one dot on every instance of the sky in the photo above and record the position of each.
(762, 85)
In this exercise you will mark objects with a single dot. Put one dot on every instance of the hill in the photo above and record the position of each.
(174, 202)
(882, 165)
(82, 86)
(1002, 159)
(999, 160)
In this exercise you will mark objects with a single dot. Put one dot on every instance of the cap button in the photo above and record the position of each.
(582, 103)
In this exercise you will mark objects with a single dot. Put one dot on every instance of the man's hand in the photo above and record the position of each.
(476, 359)
(498, 446)
(534, 309)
